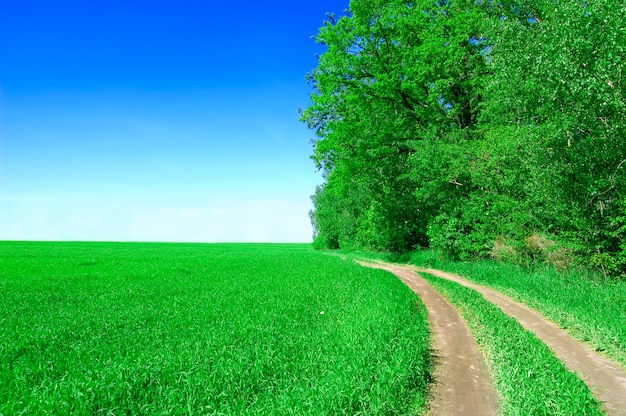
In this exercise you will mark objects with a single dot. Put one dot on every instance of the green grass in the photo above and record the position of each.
(122, 328)
(531, 380)
(590, 308)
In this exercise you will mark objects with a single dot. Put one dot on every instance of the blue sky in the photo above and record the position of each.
(157, 121)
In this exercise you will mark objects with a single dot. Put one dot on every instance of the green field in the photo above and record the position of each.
(128, 328)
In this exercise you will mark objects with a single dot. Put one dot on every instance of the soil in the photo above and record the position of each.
(463, 385)
(462, 382)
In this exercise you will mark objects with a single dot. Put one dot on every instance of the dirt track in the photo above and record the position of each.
(606, 379)
(463, 385)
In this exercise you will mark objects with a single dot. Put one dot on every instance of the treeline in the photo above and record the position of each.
(476, 128)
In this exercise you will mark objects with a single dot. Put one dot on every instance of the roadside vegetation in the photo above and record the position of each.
(479, 129)
(584, 303)
(581, 301)
(90, 328)
(530, 379)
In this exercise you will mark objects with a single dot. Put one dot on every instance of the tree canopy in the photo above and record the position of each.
(475, 128)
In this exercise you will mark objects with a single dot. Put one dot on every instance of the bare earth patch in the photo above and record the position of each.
(463, 385)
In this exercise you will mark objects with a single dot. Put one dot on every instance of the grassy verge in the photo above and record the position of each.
(587, 306)
(90, 328)
(531, 380)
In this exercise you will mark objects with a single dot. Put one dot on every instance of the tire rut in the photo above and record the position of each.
(463, 384)
(605, 378)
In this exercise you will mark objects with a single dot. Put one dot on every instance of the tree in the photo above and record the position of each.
(461, 124)
(396, 74)
(558, 89)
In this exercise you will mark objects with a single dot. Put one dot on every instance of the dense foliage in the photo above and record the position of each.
(476, 128)
(228, 329)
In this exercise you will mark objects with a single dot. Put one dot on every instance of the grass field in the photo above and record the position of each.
(121, 328)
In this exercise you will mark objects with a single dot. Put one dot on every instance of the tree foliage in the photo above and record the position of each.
(469, 126)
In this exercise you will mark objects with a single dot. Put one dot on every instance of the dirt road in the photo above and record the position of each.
(606, 379)
(463, 385)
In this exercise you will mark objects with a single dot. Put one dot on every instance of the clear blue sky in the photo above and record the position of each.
(157, 121)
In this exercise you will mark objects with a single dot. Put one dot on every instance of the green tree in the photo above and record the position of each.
(397, 77)
(558, 92)
(460, 124)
